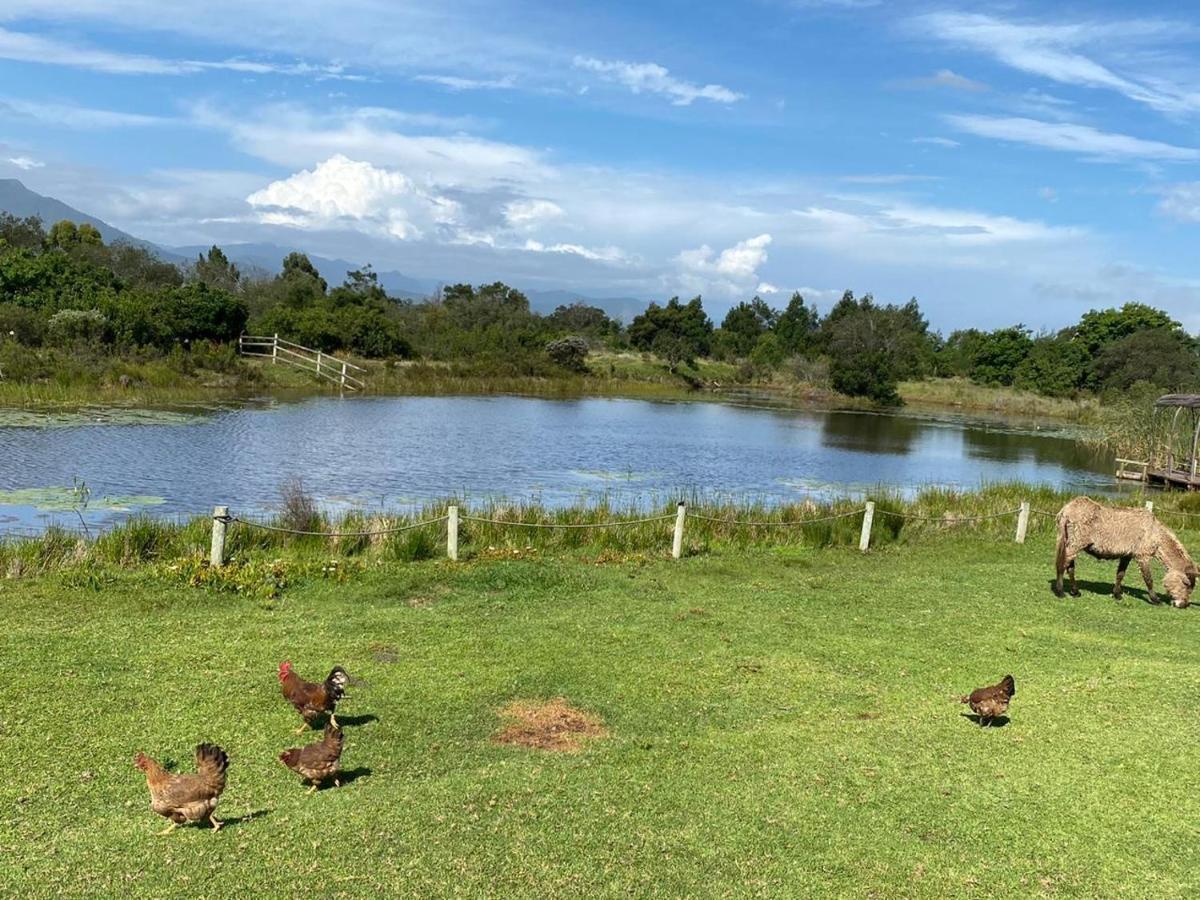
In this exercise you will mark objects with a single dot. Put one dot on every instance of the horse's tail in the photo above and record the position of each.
(1060, 553)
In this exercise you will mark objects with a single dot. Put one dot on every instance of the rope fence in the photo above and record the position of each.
(222, 519)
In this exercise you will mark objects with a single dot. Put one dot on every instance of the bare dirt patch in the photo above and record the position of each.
(548, 725)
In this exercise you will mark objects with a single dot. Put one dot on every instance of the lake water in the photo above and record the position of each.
(398, 452)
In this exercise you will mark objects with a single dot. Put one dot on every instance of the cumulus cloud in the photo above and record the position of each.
(733, 270)
(652, 78)
(531, 213)
(341, 192)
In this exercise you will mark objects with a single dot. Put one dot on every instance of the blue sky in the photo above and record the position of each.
(1014, 162)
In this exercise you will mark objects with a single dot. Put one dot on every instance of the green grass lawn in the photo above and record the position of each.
(783, 723)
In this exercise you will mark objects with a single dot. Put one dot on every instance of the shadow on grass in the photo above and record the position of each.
(345, 777)
(1103, 589)
(997, 722)
(355, 721)
(235, 821)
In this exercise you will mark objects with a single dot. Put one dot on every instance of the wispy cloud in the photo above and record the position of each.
(68, 115)
(25, 47)
(457, 83)
(651, 78)
(1072, 138)
(942, 78)
(937, 141)
(1068, 52)
(1181, 201)
(24, 163)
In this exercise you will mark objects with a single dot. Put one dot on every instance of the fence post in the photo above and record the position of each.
(677, 541)
(1022, 521)
(343, 375)
(275, 349)
(318, 363)
(1150, 505)
(217, 555)
(452, 532)
(864, 539)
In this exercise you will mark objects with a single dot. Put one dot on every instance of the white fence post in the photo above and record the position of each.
(318, 362)
(452, 532)
(677, 541)
(864, 539)
(217, 555)
(275, 349)
(1150, 505)
(343, 375)
(1022, 521)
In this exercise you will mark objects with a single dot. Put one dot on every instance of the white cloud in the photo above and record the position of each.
(942, 78)
(71, 116)
(1082, 139)
(458, 83)
(25, 163)
(341, 192)
(732, 271)
(24, 47)
(937, 141)
(1181, 201)
(765, 287)
(1060, 51)
(652, 78)
(600, 254)
(530, 213)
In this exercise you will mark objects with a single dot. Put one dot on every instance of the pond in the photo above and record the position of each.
(401, 452)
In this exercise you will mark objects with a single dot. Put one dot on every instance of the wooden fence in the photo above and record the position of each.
(317, 362)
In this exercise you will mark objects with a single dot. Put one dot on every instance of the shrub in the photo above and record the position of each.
(75, 328)
(569, 352)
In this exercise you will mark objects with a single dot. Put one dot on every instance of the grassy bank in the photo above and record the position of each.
(178, 379)
(782, 722)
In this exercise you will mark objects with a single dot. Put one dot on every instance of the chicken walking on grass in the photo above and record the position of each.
(318, 761)
(313, 700)
(188, 796)
(990, 702)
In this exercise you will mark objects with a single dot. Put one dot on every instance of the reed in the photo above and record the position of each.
(595, 531)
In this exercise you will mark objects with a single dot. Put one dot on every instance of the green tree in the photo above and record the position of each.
(678, 332)
(998, 354)
(744, 324)
(797, 327)
(1055, 366)
(1099, 327)
(1164, 357)
(216, 270)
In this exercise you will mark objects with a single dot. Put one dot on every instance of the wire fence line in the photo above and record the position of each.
(612, 524)
(235, 520)
(776, 524)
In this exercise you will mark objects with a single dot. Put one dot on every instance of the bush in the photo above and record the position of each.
(569, 352)
(75, 328)
(22, 325)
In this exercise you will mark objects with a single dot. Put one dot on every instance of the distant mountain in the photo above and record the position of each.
(269, 258)
(17, 199)
(20, 201)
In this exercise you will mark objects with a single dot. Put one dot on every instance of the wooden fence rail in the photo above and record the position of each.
(317, 362)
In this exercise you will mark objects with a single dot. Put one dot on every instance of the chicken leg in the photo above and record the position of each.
(301, 728)
(168, 829)
(311, 789)
(215, 822)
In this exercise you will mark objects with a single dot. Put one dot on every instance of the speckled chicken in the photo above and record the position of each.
(991, 702)
(318, 761)
(188, 796)
(311, 699)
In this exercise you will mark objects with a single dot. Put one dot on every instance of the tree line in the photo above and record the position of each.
(64, 289)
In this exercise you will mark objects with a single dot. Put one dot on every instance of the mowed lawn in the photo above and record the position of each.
(781, 724)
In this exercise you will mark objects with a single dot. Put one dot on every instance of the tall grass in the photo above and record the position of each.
(596, 532)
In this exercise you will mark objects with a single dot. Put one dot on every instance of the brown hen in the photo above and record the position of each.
(318, 761)
(188, 796)
(990, 702)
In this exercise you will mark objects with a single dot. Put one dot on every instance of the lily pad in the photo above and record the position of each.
(97, 415)
(64, 499)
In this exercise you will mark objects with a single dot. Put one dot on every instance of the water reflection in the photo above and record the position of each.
(401, 452)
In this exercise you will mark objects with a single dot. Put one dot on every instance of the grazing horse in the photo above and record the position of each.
(1084, 526)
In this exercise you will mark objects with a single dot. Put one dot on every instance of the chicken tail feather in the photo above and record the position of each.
(211, 763)
(335, 684)
(1010, 686)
